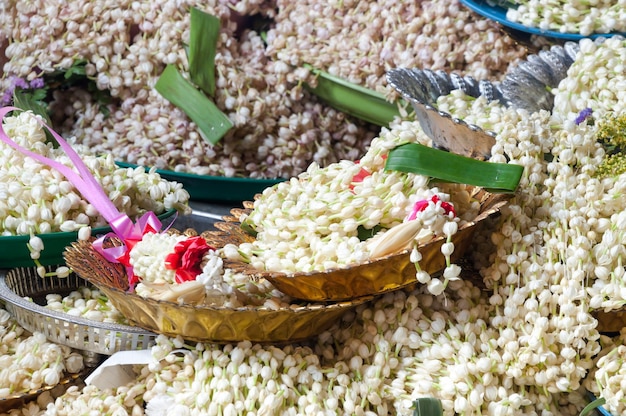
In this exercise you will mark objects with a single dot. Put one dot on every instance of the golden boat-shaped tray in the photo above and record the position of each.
(216, 324)
(374, 277)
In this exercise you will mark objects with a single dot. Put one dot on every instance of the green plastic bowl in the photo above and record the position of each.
(214, 188)
(15, 253)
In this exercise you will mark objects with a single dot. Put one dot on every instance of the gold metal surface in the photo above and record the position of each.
(203, 323)
(374, 277)
(333, 291)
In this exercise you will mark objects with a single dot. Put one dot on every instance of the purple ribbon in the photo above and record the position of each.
(122, 226)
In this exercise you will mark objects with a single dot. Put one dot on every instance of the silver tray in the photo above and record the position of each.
(75, 332)
(525, 86)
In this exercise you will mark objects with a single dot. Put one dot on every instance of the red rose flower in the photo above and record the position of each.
(187, 258)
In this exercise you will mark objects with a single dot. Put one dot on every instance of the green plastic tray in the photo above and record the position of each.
(14, 252)
(214, 188)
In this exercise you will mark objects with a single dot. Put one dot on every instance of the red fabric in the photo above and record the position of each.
(125, 258)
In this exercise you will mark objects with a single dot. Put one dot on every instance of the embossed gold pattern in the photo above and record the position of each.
(204, 323)
(332, 292)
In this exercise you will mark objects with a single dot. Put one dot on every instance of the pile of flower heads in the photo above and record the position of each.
(30, 362)
(585, 18)
(279, 126)
(38, 199)
(360, 40)
(519, 338)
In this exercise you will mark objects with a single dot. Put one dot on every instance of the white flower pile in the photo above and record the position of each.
(360, 40)
(311, 222)
(374, 362)
(279, 127)
(29, 362)
(86, 302)
(559, 248)
(596, 79)
(584, 17)
(36, 199)
(526, 343)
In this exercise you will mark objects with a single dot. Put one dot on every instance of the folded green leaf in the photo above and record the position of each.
(450, 167)
(427, 406)
(353, 99)
(212, 123)
(26, 101)
(592, 406)
(203, 34)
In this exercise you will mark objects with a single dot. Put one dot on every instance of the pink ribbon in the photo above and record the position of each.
(148, 222)
(122, 226)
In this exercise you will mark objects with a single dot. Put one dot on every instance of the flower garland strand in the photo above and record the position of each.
(88, 186)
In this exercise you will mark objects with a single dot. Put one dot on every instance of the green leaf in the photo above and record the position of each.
(78, 68)
(592, 406)
(212, 123)
(248, 227)
(26, 102)
(427, 406)
(39, 95)
(451, 167)
(367, 233)
(353, 99)
(203, 34)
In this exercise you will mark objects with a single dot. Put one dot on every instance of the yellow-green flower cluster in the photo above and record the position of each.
(611, 134)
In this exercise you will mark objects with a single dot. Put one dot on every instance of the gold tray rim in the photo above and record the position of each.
(207, 323)
(310, 291)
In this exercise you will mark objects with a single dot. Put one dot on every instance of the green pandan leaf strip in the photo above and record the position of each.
(427, 406)
(592, 406)
(203, 35)
(354, 99)
(451, 167)
(212, 123)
